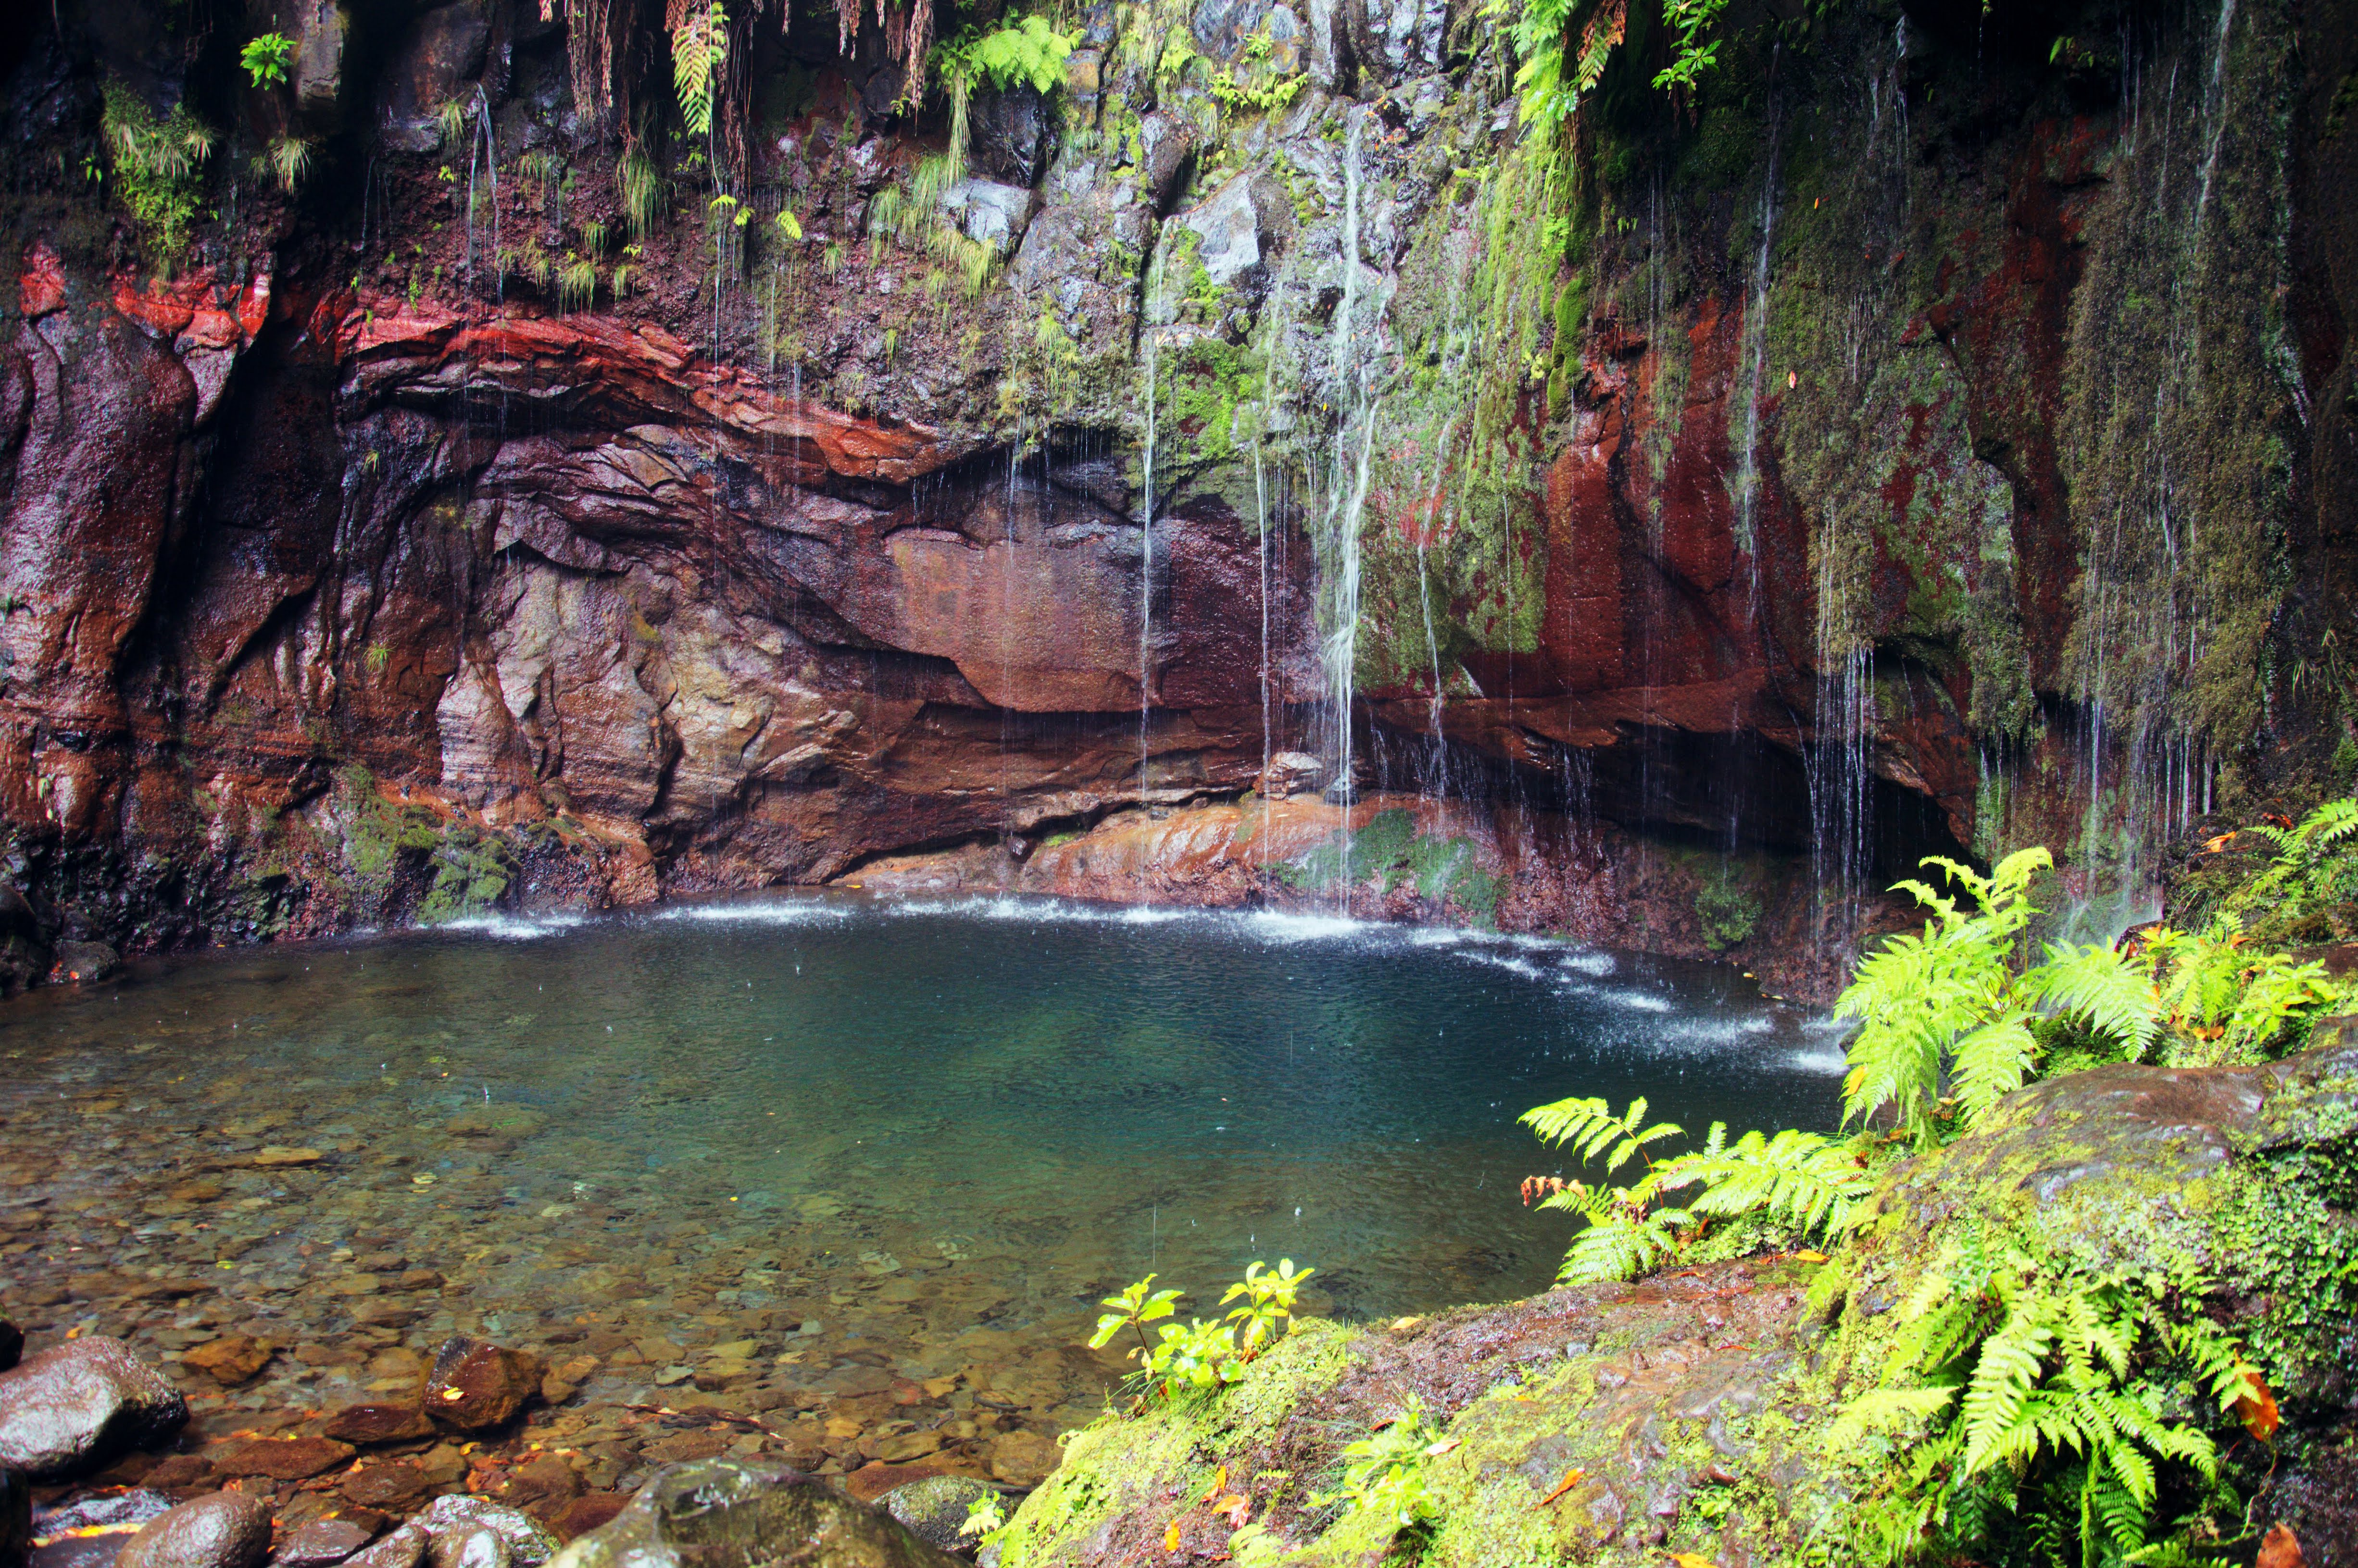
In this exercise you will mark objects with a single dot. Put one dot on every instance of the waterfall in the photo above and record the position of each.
(1347, 495)
(1151, 312)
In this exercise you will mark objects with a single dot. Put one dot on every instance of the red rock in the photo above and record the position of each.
(872, 1481)
(476, 1386)
(371, 1425)
(396, 1486)
(227, 1529)
(230, 1360)
(281, 1458)
(591, 1511)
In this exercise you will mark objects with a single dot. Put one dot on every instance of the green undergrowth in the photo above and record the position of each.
(471, 867)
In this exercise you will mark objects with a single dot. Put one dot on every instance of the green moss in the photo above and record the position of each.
(1728, 910)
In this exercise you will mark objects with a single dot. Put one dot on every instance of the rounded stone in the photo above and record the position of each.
(227, 1529)
(74, 1404)
(935, 1509)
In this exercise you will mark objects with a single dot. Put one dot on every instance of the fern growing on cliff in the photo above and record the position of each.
(2036, 1404)
(1800, 1180)
(1951, 1010)
(699, 47)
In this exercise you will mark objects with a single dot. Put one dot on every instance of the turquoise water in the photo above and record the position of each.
(1002, 1109)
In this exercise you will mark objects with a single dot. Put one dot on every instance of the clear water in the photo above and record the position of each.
(1001, 1110)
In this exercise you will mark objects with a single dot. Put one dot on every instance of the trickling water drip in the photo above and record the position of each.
(1348, 495)
(2214, 107)
(1154, 311)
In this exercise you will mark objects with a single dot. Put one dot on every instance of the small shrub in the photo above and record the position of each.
(265, 58)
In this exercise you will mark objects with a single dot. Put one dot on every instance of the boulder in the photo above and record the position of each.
(1011, 135)
(74, 961)
(476, 1386)
(935, 1509)
(78, 1402)
(452, 1525)
(992, 214)
(1169, 142)
(405, 1548)
(227, 1529)
(322, 1542)
(734, 1511)
(1229, 227)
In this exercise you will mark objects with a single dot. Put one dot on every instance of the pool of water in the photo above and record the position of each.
(935, 1132)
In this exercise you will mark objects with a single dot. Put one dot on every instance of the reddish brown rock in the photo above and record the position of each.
(74, 1405)
(281, 1458)
(371, 1424)
(227, 1529)
(230, 1360)
(583, 1514)
(476, 1386)
(396, 1486)
(1024, 1458)
(319, 1545)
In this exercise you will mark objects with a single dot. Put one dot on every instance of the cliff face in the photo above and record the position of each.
(1928, 437)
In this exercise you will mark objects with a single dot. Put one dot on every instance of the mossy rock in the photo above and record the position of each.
(1607, 1424)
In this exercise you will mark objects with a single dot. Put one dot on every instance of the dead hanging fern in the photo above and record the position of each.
(908, 33)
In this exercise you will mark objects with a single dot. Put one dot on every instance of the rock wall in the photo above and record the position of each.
(1924, 436)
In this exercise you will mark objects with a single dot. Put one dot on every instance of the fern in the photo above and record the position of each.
(640, 187)
(1801, 1178)
(699, 46)
(2105, 986)
(1590, 1127)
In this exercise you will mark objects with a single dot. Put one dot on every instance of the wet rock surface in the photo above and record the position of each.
(68, 1406)
(723, 1512)
(227, 1529)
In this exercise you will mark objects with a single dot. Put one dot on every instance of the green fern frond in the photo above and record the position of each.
(1799, 1177)
(1886, 1410)
(1620, 1245)
(2010, 1365)
(2102, 985)
(1992, 1062)
(699, 47)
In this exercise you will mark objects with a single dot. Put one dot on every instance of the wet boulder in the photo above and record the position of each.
(721, 1513)
(476, 1386)
(368, 1425)
(322, 1542)
(80, 961)
(1168, 142)
(475, 1532)
(1011, 135)
(935, 1509)
(227, 1529)
(78, 1402)
(405, 1548)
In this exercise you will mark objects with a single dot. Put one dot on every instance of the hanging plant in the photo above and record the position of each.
(699, 47)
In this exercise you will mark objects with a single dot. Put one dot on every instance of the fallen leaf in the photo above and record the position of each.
(2280, 1550)
(1219, 1483)
(2256, 1407)
(1572, 1478)
(1235, 1510)
(1811, 1257)
(1436, 1451)
(1690, 1560)
(1171, 1536)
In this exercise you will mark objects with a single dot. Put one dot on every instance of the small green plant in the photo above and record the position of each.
(789, 227)
(1203, 1354)
(1383, 1473)
(2304, 870)
(1728, 910)
(2213, 987)
(289, 161)
(451, 125)
(1800, 1181)
(640, 186)
(1268, 1300)
(985, 1514)
(576, 285)
(1028, 52)
(157, 167)
(596, 236)
(265, 59)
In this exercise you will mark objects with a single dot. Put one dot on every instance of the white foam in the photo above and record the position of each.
(509, 927)
(1826, 1059)
(1272, 926)
(1589, 962)
(1639, 1002)
(1522, 966)
(765, 912)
